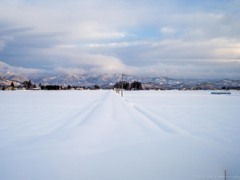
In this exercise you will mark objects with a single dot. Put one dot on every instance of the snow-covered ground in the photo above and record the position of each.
(97, 135)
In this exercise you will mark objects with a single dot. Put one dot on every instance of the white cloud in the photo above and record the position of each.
(167, 30)
(227, 49)
(6, 69)
(123, 44)
(80, 20)
(95, 35)
(93, 30)
(4, 39)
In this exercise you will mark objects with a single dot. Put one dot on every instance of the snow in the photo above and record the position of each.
(93, 135)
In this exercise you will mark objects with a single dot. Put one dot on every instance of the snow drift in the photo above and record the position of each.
(97, 135)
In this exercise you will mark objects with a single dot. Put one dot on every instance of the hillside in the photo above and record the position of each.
(18, 75)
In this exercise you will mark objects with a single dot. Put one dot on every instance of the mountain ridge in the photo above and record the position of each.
(18, 75)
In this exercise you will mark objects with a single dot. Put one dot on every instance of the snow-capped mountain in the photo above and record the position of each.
(108, 81)
(103, 80)
(10, 74)
(4, 82)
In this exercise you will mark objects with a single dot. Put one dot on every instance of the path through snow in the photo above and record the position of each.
(96, 135)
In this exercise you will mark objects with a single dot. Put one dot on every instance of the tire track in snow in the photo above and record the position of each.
(73, 121)
(81, 116)
(162, 123)
(150, 118)
(126, 113)
(159, 122)
(109, 114)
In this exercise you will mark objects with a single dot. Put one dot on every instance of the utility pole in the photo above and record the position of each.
(225, 175)
(122, 87)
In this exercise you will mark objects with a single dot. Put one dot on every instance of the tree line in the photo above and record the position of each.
(28, 85)
(128, 86)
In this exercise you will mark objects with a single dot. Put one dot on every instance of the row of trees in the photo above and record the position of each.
(128, 86)
(14, 86)
(28, 85)
(58, 87)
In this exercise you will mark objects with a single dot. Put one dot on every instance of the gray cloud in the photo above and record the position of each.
(169, 38)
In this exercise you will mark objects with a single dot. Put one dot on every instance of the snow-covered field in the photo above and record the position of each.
(97, 135)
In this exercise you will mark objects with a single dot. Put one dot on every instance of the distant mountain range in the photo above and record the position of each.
(10, 74)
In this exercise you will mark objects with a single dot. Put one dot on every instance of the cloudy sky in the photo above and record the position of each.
(173, 38)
